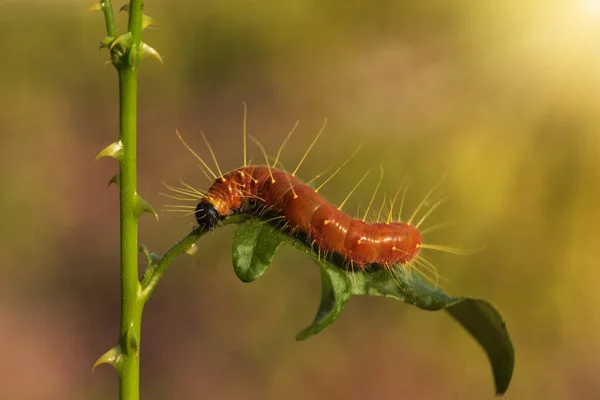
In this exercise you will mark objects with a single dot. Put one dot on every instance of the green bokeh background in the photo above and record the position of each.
(500, 98)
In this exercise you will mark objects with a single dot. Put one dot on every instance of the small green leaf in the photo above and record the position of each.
(114, 150)
(141, 206)
(254, 246)
(112, 357)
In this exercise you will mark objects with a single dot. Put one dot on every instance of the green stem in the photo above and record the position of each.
(131, 303)
(131, 307)
(136, 17)
(156, 271)
(109, 17)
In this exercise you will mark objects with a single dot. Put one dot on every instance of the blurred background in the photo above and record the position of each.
(500, 98)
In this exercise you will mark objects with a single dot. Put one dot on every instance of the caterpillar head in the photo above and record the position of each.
(207, 215)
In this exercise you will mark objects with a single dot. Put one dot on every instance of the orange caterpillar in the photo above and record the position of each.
(307, 211)
(360, 243)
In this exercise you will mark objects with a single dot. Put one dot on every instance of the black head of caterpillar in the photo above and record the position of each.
(207, 215)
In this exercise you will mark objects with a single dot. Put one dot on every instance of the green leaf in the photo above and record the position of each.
(336, 289)
(254, 246)
(256, 242)
(486, 326)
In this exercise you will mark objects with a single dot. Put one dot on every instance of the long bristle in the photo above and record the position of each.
(190, 187)
(452, 250)
(393, 203)
(310, 147)
(204, 173)
(422, 203)
(431, 209)
(354, 189)
(381, 207)
(289, 135)
(180, 198)
(291, 186)
(320, 174)
(429, 274)
(183, 191)
(244, 131)
(404, 191)
(393, 271)
(262, 149)
(212, 154)
(181, 206)
(186, 213)
(357, 210)
(277, 162)
(374, 192)
(438, 227)
(339, 168)
(195, 154)
(431, 267)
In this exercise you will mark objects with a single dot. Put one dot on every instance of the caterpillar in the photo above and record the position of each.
(305, 210)
(266, 188)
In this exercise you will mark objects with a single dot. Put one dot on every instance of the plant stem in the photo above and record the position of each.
(136, 17)
(131, 304)
(131, 307)
(156, 271)
(109, 17)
